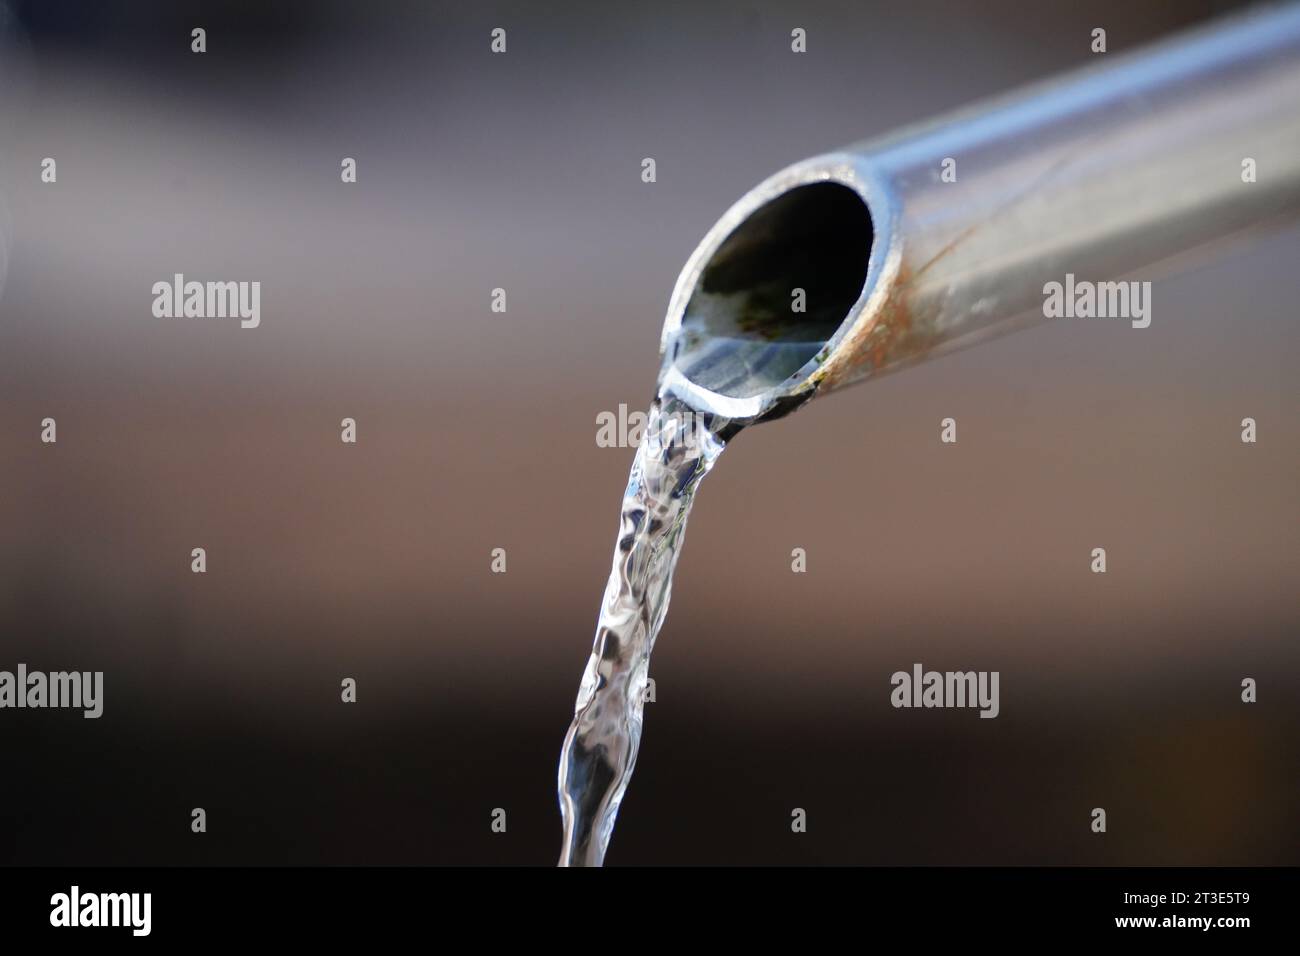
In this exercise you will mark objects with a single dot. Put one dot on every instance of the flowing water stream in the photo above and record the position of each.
(677, 450)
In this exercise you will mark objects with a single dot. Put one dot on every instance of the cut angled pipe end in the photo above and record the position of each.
(761, 308)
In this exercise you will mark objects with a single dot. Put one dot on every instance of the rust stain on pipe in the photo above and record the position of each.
(895, 335)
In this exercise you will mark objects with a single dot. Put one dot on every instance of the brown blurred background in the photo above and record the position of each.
(477, 430)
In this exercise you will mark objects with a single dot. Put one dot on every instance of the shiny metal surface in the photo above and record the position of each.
(1103, 173)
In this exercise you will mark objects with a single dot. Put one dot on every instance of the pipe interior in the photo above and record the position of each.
(744, 331)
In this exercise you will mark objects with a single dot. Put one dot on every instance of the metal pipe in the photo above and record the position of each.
(948, 233)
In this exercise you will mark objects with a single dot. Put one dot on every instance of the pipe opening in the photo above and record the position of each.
(775, 290)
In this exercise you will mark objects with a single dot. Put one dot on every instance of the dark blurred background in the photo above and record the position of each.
(477, 430)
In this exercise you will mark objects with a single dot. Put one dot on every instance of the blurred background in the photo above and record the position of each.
(476, 430)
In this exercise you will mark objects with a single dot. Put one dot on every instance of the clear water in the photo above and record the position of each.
(677, 450)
